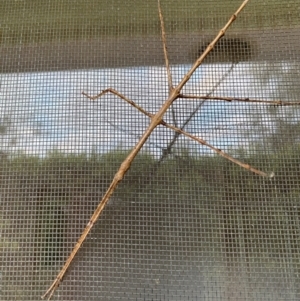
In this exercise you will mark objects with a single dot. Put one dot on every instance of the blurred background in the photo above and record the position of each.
(185, 223)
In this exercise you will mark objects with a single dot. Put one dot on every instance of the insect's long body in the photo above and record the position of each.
(156, 119)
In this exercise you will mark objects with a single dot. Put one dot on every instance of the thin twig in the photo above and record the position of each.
(237, 99)
(155, 121)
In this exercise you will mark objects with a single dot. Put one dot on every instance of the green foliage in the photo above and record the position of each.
(265, 210)
(50, 232)
(231, 210)
(6, 243)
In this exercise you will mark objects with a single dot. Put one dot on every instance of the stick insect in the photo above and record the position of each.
(157, 120)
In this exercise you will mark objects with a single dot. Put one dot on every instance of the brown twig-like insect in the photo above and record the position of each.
(156, 120)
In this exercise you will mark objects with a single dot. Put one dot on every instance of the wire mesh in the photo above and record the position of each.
(185, 223)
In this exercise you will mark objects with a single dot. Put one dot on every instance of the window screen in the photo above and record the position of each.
(216, 218)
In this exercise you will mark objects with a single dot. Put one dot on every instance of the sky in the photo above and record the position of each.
(43, 112)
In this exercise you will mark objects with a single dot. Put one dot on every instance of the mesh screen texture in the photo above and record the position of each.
(185, 223)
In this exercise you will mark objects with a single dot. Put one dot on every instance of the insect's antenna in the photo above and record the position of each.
(164, 40)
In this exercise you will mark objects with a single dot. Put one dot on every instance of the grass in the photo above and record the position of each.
(32, 21)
